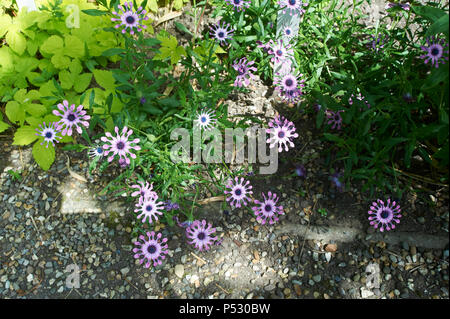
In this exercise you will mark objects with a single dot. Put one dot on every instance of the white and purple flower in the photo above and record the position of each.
(238, 191)
(244, 69)
(49, 133)
(149, 208)
(239, 5)
(282, 133)
(268, 209)
(295, 7)
(200, 235)
(205, 120)
(71, 117)
(120, 145)
(129, 18)
(435, 50)
(144, 189)
(151, 249)
(221, 32)
(384, 215)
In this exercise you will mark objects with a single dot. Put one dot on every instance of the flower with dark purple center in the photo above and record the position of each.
(71, 117)
(239, 5)
(96, 152)
(244, 69)
(149, 208)
(289, 85)
(384, 215)
(150, 249)
(281, 53)
(295, 7)
(120, 145)
(334, 119)
(435, 50)
(238, 192)
(282, 133)
(49, 133)
(221, 32)
(129, 18)
(268, 209)
(144, 189)
(200, 235)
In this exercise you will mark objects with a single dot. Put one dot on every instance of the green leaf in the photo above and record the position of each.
(82, 82)
(60, 61)
(35, 110)
(440, 26)
(24, 135)
(3, 126)
(16, 41)
(53, 45)
(74, 47)
(437, 76)
(94, 12)
(113, 51)
(43, 155)
(67, 79)
(105, 79)
(15, 112)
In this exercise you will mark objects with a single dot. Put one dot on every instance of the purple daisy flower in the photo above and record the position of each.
(201, 235)
(280, 52)
(96, 151)
(384, 214)
(244, 69)
(435, 51)
(336, 182)
(293, 6)
(238, 192)
(149, 209)
(70, 117)
(282, 131)
(130, 19)
(49, 133)
(289, 85)
(221, 32)
(120, 145)
(288, 32)
(205, 119)
(334, 119)
(239, 5)
(150, 249)
(144, 189)
(268, 209)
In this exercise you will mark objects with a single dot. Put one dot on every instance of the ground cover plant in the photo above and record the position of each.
(115, 88)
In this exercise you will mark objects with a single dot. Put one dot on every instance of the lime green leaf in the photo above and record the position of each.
(67, 79)
(82, 82)
(32, 47)
(35, 109)
(53, 45)
(153, 5)
(43, 155)
(75, 67)
(105, 79)
(169, 48)
(16, 41)
(74, 47)
(14, 112)
(60, 61)
(5, 23)
(25, 135)
(3, 126)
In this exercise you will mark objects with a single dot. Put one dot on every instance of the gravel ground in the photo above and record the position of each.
(50, 220)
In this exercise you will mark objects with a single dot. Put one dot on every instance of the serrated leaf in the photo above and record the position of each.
(43, 155)
(73, 47)
(53, 45)
(60, 61)
(14, 112)
(24, 135)
(75, 67)
(16, 41)
(82, 82)
(66, 79)
(105, 79)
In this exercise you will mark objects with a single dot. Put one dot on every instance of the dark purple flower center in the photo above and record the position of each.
(221, 34)
(48, 135)
(148, 208)
(99, 150)
(288, 31)
(120, 145)
(384, 214)
(242, 70)
(238, 192)
(151, 249)
(201, 235)
(130, 19)
(336, 117)
(203, 119)
(289, 82)
(279, 52)
(292, 2)
(281, 134)
(71, 117)
(268, 208)
(237, 2)
(435, 51)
